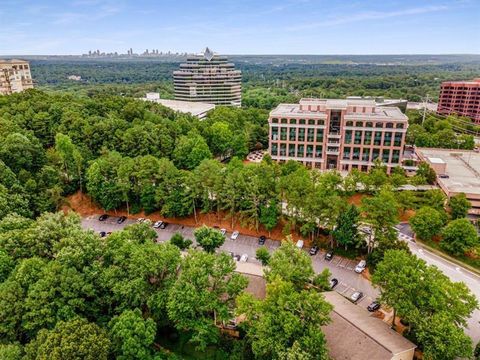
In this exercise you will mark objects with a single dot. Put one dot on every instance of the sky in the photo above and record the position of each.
(48, 27)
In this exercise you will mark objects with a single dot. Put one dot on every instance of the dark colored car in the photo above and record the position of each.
(103, 233)
(333, 283)
(164, 225)
(121, 219)
(236, 257)
(103, 217)
(261, 240)
(313, 250)
(329, 255)
(374, 306)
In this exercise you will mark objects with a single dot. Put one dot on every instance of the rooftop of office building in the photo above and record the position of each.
(365, 108)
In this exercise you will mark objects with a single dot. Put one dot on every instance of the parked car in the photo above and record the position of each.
(163, 225)
(333, 283)
(244, 258)
(140, 220)
(329, 255)
(360, 267)
(147, 221)
(357, 295)
(236, 257)
(234, 235)
(443, 176)
(223, 231)
(299, 244)
(262, 239)
(313, 250)
(121, 219)
(103, 217)
(374, 306)
(102, 233)
(157, 224)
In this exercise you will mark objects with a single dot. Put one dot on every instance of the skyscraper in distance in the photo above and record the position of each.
(210, 78)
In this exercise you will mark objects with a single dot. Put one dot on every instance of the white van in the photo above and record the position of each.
(299, 244)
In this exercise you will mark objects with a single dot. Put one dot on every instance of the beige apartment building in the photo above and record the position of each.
(337, 134)
(15, 76)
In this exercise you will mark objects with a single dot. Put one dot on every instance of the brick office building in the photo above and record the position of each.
(461, 98)
(337, 134)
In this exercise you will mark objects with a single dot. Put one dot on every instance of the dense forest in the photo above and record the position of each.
(266, 81)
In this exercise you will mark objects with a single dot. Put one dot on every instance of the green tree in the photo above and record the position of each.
(263, 255)
(459, 206)
(190, 150)
(75, 339)
(287, 323)
(459, 236)
(424, 170)
(427, 223)
(11, 352)
(269, 215)
(132, 336)
(71, 160)
(381, 213)
(203, 294)
(208, 238)
(290, 264)
(179, 241)
(346, 231)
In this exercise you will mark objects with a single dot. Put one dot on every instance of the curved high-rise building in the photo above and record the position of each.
(209, 78)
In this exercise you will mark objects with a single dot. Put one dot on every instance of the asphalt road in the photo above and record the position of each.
(341, 268)
(453, 271)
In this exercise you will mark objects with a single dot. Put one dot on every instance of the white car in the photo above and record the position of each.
(223, 231)
(234, 235)
(147, 221)
(299, 244)
(244, 258)
(157, 224)
(360, 267)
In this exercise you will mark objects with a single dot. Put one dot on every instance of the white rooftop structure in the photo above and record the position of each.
(198, 109)
(458, 172)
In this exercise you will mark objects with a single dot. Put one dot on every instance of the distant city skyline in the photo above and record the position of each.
(53, 27)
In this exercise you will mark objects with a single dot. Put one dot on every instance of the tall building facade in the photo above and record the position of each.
(209, 78)
(15, 76)
(461, 98)
(337, 134)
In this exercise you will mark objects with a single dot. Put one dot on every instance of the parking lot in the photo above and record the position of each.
(341, 268)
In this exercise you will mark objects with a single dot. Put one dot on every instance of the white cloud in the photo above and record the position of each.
(369, 15)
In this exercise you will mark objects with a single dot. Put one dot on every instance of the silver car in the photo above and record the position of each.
(357, 295)
(234, 235)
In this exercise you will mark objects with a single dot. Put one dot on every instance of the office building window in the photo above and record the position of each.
(309, 151)
(283, 149)
(346, 153)
(292, 134)
(398, 139)
(395, 156)
(378, 138)
(301, 134)
(358, 137)
(311, 122)
(293, 121)
(319, 135)
(284, 121)
(274, 133)
(274, 149)
(348, 136)
(356, 154)
(291, 150)
(385, 155)
(366, 155)
(375, 154)
(301, 151)
(283, 133)
(318, 151)
(387, 140)
(310, 135)
(367, 139)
